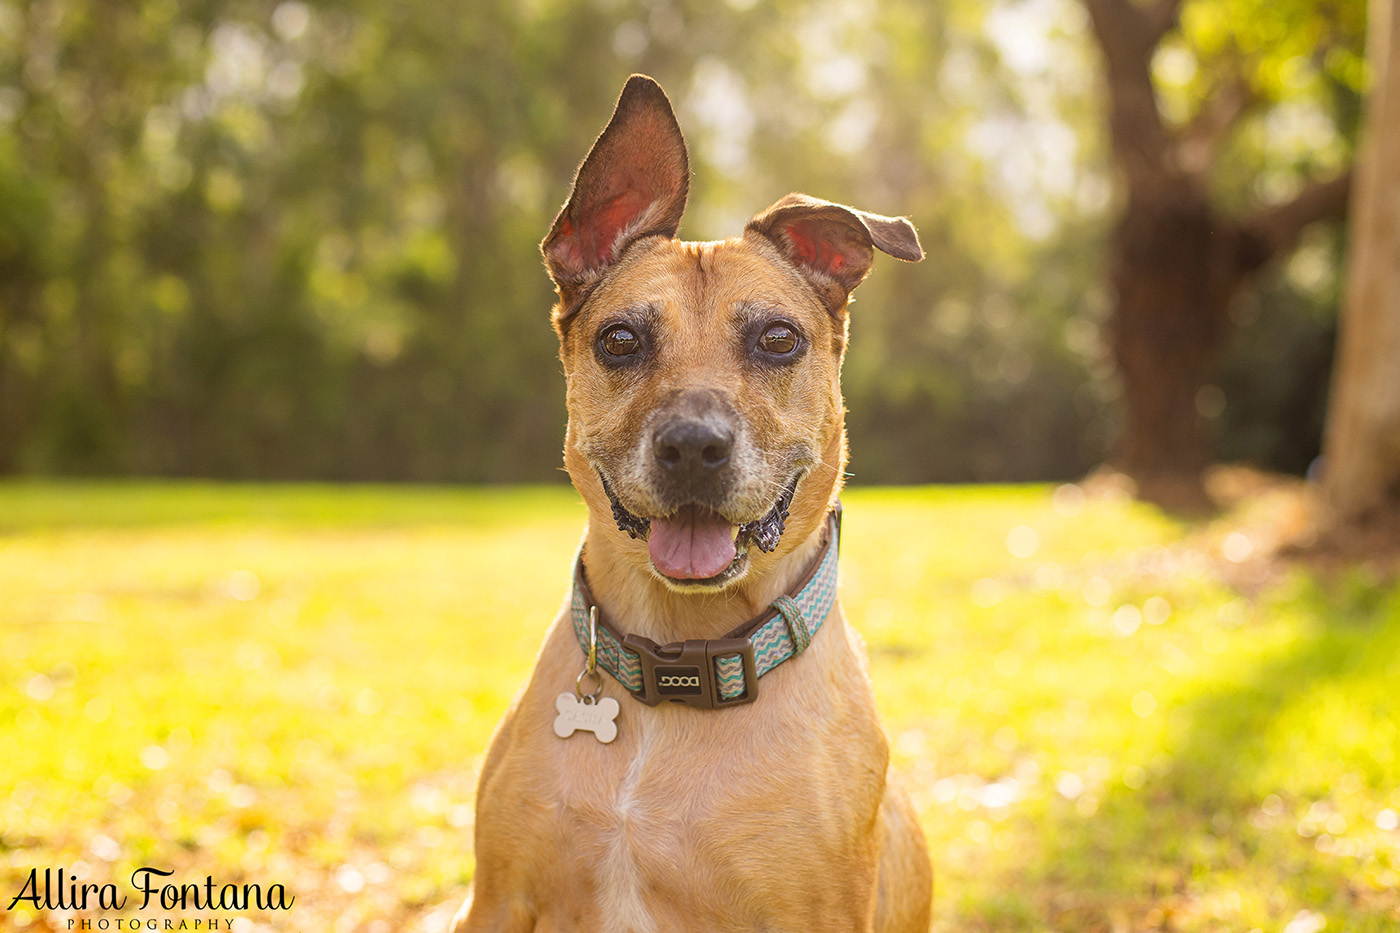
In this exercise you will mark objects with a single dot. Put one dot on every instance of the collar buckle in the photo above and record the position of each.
(685, 672)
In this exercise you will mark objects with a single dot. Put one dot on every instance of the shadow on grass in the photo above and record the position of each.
(1231, 829)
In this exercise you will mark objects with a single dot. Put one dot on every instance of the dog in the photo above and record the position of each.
(697, 747)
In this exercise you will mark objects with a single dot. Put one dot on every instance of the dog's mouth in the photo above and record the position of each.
(699, 546)
(693, 543)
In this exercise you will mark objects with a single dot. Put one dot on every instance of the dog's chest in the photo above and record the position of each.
(689, 819)
(631, 824)
(686, 802)
(652, 789)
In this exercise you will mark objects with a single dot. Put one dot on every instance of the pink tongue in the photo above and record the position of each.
(692, 544)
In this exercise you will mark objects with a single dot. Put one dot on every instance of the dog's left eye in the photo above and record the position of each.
(779, 340)
(619, 341)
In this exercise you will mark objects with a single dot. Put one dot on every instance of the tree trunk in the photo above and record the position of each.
(1177, 259)
(1362, 443)
(1176, 266)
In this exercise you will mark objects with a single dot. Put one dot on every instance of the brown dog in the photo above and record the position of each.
(706, 434)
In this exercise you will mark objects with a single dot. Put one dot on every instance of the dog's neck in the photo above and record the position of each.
(637, 602)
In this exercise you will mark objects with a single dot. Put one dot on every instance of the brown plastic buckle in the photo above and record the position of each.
(684, 672)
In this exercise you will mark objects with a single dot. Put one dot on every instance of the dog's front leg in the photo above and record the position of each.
(493, 915)
(499, 901)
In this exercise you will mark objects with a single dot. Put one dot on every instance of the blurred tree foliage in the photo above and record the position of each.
(288, 239)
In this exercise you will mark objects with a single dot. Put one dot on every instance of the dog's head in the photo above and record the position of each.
(703, 392)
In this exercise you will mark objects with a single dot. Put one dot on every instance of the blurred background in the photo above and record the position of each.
(299, 240)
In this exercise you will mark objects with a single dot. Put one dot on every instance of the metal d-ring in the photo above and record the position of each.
(591, 669)
(588, 698)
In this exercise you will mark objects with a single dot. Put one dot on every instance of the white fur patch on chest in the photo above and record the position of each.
(620, 881)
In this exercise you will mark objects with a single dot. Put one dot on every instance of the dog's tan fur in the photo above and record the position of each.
(769, 816)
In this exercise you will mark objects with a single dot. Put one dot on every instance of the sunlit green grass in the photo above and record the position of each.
(295, 684)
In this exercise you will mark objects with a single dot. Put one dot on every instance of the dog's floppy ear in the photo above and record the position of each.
(632, 184)
(834, 245)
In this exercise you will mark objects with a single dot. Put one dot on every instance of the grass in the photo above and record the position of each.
(294, 685)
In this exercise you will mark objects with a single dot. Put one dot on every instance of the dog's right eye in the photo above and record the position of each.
(619, 341)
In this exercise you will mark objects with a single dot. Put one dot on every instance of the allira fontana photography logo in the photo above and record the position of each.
(56, 890)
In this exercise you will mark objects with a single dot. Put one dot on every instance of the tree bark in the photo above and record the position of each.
(1362, 443)
(1174, 271)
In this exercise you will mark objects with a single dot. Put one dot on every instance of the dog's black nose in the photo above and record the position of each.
(692, 449)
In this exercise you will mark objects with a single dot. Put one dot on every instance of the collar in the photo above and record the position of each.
(716, 672)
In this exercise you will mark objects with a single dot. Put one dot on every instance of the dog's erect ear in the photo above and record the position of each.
(833, 245)
(633, 184)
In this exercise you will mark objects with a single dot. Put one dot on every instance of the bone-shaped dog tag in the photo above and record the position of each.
(596, 716)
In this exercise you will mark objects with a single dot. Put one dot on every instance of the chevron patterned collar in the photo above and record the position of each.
(717, 672)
